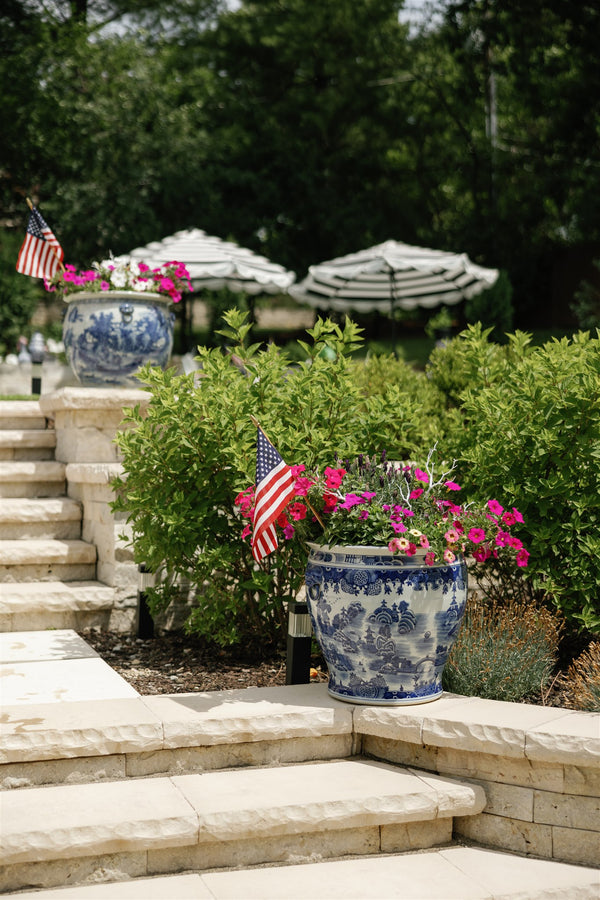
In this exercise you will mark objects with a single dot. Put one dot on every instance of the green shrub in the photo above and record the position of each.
(189, 456)
(504, 651)
(532, 431)
(19, 294)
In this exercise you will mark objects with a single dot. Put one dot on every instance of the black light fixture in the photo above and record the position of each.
(299, 641)
(145, 622)
(37, 352)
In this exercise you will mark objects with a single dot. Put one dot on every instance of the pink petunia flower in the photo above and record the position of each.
(333, 477)
(522, 558)
(449, 556)
(416, 493)
(477, 535)
(451, 535)
(452, 486)
(420, 475)
(495, 508)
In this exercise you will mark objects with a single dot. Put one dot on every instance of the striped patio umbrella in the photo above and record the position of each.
(392, 276)
(214, 263)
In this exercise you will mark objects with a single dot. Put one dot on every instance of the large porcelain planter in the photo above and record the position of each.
(109, 336)
(385, 624)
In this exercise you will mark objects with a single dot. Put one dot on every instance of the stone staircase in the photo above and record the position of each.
(258, 793)
(47, 573)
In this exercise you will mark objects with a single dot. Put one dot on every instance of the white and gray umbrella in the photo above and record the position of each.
(214, 263)
(392, 275)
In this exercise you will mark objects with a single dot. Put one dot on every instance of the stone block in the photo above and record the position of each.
(81, 770)
(577, 846)
(571, 738)
(567, 811)
(415, 835)
(225, 756)
(289, 849)
(506, 770)
(46, 824)
(506, 834)
(86, 870)
(253, 714)
(584, 780)
(401, 752)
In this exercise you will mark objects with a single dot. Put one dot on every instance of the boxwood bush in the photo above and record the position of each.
(531, 430)
(186, 459)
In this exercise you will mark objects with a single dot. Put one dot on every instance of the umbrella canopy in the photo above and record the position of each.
(214, 263)
(392, 275)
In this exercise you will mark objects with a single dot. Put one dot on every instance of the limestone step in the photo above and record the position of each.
(21, 414)
(33, 606)
(27, 444)
(452, 873)
(228, 818)
(28, 478)
(47, 560)
(49, 517)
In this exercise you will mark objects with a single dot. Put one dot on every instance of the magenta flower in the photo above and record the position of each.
(517, 515)
(452, 485)
(333, 477)
(420, 475)
(297, 511)
(350, 500)
(495, 508)
(522, 558)
(364, 514)
(429, 558)
(508, 518)
(399, 527)
(477, 535)
(415, 493)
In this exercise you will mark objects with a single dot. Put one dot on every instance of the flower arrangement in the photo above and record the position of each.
(407, 508)
(113, 274)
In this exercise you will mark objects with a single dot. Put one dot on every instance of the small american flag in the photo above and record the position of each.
(274, 490)
(40, 254)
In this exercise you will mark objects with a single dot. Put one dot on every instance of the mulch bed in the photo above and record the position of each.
(175, 663)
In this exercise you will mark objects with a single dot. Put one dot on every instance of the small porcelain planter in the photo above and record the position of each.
(109, 335)
(385, 623)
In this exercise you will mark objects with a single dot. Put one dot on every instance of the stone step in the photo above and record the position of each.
(51, 835)
(21, 414)
(32, 479)
(27, 444)
(33, 606)
(50, 517)
(452, 873)
(47, 560)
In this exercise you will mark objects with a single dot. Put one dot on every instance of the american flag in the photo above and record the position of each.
(274, 490)
(40, 254)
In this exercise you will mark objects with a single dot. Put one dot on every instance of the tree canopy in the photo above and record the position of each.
(307, 130)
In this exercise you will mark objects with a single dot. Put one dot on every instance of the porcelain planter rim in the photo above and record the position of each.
(381, 550)
(107, 296)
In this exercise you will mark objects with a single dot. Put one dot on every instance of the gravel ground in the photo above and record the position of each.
(175, 663)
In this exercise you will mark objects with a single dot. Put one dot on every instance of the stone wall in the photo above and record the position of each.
(86, 421)
(539, 768)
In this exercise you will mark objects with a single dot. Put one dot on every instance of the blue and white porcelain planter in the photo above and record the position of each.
(385, 623)
(108, 336)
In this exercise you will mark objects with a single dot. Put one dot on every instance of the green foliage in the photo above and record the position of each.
(189, 456)
(503, 651)
(493, 307)
(19, 294)
(532, 432)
